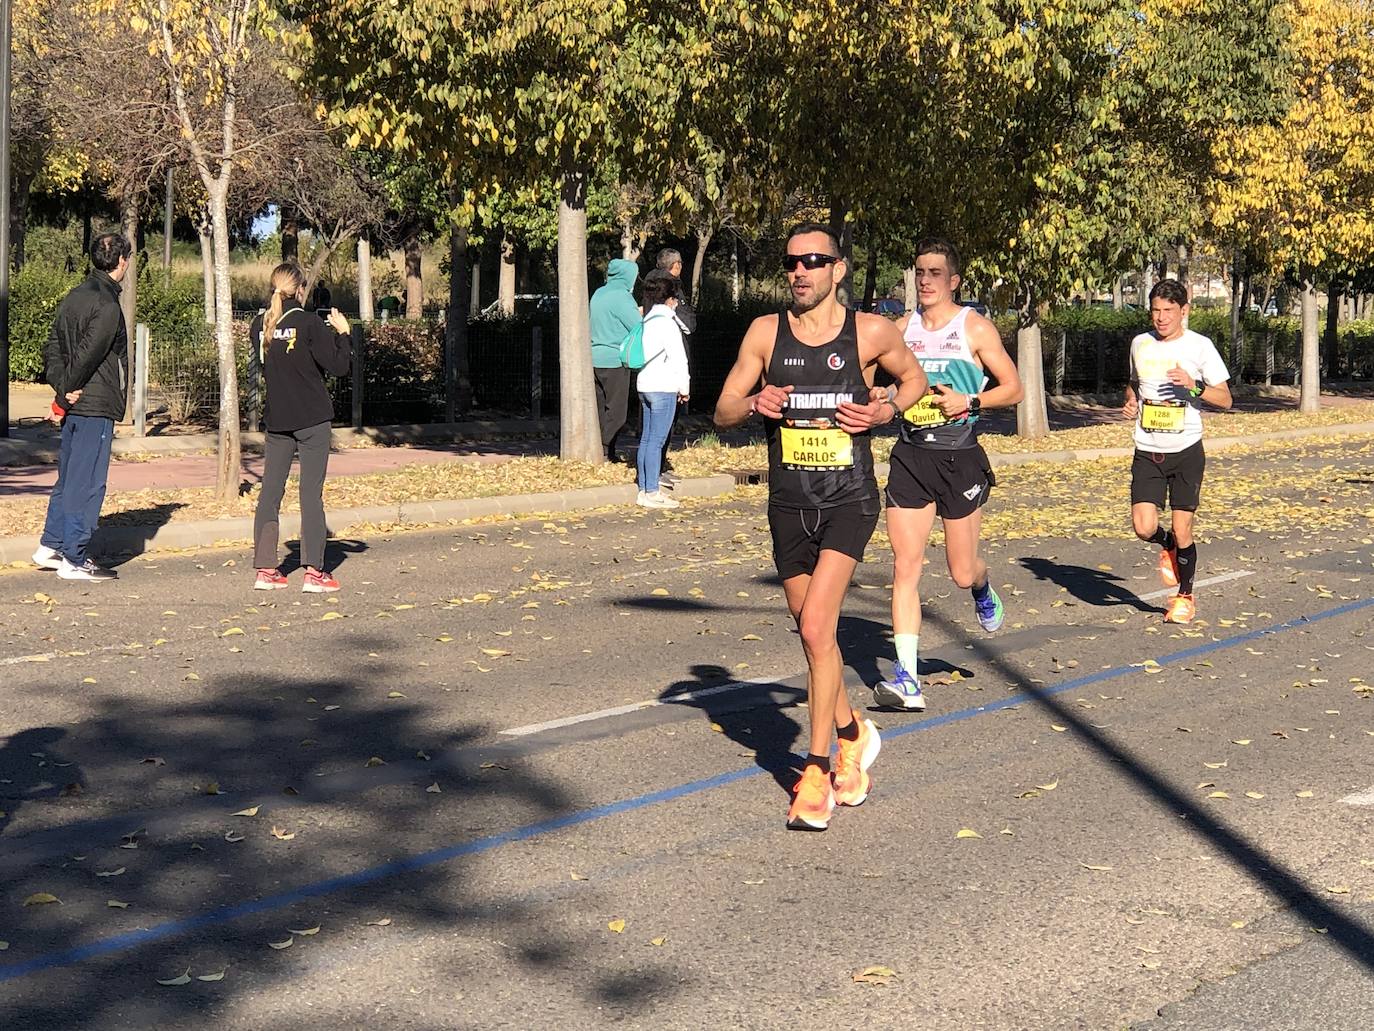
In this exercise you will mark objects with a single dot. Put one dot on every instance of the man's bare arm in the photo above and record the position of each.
(738, 400)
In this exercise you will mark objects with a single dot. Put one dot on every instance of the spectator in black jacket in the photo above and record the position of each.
(86, 362)
(669, 266)
(297, 350)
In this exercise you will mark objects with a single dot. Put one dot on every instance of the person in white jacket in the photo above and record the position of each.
(663, 384)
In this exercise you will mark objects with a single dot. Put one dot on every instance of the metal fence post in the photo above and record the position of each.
(1060, 358)
(1268, 358)
(1100, 346)
(537, 372)
(357, 334)
(141, 379)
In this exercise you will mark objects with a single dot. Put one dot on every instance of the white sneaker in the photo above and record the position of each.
(88, 570)
(658, 499)
(47, 558)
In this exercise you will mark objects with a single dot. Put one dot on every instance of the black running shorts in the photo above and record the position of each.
(957, 482)
(801, 534)
(1177, 477)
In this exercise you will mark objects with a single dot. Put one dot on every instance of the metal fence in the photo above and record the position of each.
(513, 368)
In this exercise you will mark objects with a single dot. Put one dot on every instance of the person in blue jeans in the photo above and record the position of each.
(664, 383)
(86, 362)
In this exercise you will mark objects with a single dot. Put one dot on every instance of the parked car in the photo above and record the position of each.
(978, 306)
(525, 304)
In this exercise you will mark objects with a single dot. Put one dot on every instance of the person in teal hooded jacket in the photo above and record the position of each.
(614, 313)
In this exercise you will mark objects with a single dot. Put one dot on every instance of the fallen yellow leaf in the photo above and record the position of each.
(617, 926)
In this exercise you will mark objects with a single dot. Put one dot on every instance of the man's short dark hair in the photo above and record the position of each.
(1170, 290)
(107, 249)
(939, 245)
(657, 290)
(803, 228)
(668, 257)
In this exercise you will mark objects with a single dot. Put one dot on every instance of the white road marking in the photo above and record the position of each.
(1220, 579)
(688, 696)
(1360, 798)
(621, 710)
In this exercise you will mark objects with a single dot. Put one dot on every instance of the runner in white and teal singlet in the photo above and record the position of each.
(948, 360)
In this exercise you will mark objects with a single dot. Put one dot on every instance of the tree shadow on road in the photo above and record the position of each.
(32, 769)
(266, 802)
(1266, 870)
(1094, 587)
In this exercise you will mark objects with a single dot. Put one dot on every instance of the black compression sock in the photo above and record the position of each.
(849, 733)
(1164, 538)
(823, 761)
(1187, 568)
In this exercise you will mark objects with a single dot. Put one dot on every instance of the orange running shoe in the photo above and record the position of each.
(813, 803)
(1168, 566)
(1181, 609)
(851, 779)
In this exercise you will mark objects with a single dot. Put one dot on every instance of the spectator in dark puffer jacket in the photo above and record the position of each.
(86, 362)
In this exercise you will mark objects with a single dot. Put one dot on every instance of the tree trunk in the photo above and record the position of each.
(365, 308)
(870, 275)
(1309, 396)
(458, 385)
(580, 431)
(734, 274)
(415, 284)
(506, 286)
(844, 232)
(628, 251)
(228, 470)
(1185, 269)
(290, 233)
(1118, 295)
(1032, 418)
(19, 219)
(1237, 307)
(1335, 292)
(909, 287)
(704, 234)
(475, 274)
(207, 270)
(128, 289)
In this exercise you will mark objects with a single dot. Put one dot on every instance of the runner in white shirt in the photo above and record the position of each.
(1173, 370)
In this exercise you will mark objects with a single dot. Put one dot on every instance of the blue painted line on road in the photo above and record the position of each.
(412, 864)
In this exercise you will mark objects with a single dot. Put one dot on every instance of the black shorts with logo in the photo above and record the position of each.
(1178, 476)
(958, 482)
(801, 534)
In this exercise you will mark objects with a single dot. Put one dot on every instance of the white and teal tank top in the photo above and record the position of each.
(947, 359)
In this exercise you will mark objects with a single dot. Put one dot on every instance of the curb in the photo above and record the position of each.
(208, 532)
(36, 452)
(205, 533)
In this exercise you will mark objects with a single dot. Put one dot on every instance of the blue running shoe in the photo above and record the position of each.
(989, 608)
(902, 691)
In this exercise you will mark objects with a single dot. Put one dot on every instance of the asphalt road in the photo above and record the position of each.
(239, 769)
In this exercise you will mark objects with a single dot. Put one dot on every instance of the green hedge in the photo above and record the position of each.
(35, 292)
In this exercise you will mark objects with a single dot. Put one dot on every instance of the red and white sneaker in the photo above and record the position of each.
(317, 581)
(269, 580)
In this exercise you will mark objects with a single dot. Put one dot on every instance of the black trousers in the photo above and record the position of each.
(312, 444)
(612, 403)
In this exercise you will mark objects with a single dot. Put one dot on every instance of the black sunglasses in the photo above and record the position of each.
(811, 261)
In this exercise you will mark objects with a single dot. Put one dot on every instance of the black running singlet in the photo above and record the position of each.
(812, 462)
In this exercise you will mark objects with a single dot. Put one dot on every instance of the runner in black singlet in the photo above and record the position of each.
(816, 363)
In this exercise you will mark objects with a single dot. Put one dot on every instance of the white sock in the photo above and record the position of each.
(907, 651)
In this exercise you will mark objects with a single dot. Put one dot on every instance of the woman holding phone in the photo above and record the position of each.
(297, 350)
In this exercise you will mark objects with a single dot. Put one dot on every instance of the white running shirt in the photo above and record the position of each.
(1169, 420)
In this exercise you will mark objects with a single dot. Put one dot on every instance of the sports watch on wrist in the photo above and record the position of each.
(975, 404)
